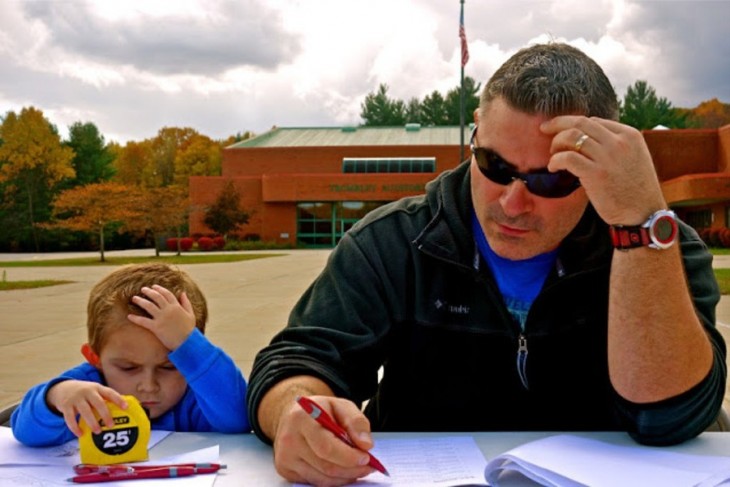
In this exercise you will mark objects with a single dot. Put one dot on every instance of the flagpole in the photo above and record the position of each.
(462, 36)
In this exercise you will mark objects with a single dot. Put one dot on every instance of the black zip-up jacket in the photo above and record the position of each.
(406, 289)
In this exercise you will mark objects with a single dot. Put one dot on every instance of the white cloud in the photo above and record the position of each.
(225, 66)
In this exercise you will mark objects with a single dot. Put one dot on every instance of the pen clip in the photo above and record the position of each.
(85, 468)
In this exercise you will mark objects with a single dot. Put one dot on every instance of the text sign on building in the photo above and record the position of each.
(372, 188)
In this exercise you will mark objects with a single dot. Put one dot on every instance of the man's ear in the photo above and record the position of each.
(476, 116)
(90, 355)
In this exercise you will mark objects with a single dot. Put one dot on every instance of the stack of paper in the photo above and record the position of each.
(572, 461)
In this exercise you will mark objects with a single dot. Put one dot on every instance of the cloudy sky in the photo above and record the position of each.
(225, 66)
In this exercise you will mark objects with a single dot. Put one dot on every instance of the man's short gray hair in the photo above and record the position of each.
(552, 79)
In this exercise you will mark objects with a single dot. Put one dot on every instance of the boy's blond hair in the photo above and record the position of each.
(110, 300)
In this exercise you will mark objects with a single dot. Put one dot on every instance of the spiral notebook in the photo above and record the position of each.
(574, 461)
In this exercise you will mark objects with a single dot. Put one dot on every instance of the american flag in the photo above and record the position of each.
(462, 36)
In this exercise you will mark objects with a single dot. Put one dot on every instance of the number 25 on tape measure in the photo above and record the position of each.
(125, 442)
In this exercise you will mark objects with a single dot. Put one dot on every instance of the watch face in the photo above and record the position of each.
(664, 230)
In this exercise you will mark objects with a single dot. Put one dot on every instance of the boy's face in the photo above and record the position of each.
(133, 361)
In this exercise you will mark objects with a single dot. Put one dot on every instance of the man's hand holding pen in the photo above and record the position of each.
(310, 453)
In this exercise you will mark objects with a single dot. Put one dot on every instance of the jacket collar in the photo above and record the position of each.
(448, 234)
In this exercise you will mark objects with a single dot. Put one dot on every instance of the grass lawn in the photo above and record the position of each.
(170, 259)
(722, 275)
(723, 279)
(10, 285)
(6, 285)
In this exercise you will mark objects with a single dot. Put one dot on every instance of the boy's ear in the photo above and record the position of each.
(90, 355)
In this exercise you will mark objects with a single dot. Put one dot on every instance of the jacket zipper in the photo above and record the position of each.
(522, 360)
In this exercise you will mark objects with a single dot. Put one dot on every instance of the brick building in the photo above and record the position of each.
(307, 186)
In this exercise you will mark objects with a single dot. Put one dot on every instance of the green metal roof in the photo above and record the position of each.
(410, 134)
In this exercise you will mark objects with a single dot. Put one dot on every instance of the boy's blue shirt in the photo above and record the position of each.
(215, 399)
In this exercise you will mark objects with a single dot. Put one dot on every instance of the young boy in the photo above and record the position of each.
(145, 330)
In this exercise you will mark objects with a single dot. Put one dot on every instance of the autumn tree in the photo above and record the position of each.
(643, 109)
(710, 114)
(97, 208)
(33, 161)
(165, 147)
(226, 214)
(200, 156)
(161, 210)
(134, 166)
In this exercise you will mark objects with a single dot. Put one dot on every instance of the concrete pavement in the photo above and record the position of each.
(41, 330)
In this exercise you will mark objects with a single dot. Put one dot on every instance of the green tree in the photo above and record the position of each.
(33, 161)
(642, 109)
(472, 90)
(433, 110)
(240, 136)
(93, 159)
(379, 110)
(413, 111)
(226, 214)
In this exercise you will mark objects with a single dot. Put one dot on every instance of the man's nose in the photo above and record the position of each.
(516, 199)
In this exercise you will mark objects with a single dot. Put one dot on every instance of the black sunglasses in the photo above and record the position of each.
(539, 182)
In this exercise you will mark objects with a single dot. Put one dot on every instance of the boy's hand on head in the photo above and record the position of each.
(76, 398)
(172, 320)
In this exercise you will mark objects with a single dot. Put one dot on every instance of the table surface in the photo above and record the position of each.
(250, 461)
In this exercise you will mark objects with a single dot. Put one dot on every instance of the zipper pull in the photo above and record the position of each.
(522, 360)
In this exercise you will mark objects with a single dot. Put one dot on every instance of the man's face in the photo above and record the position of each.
(518, 224)
(135, 362)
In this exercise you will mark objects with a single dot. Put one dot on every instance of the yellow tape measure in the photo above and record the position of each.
(125, 442)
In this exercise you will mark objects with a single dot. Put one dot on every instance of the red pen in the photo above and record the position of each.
(321, 416)
(150, 473)
(85, 468)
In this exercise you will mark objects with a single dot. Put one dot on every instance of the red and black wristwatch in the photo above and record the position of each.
(660, 231)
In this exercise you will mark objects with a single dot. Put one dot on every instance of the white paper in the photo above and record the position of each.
(568, 461)
(47, 467)
(15, 453)
(421, 462)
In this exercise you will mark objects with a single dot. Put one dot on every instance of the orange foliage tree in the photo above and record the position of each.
(711, 114)
(161, 210)
(200, 156)
(32, 160)
(98, 207)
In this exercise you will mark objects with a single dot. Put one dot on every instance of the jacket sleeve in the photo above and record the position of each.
(685, 416)
(217, 384)
(34, 424)
(335, 332)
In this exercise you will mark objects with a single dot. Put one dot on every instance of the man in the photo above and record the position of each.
(521, 292)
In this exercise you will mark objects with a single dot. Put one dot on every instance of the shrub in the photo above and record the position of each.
(715, 237)
(186, 243)
(219, 243)
(205, 243)
(725, 237)
(171, 244)
(704, 234)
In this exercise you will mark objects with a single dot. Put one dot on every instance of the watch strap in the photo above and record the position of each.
(660, 231)
(629, 237)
